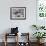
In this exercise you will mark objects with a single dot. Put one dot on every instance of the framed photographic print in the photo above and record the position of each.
(18, 13)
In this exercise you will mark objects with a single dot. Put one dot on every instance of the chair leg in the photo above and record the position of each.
(5, 39)
(5, 43)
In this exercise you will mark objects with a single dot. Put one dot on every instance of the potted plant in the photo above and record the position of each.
(38, 27)
(35, 26)
(39, 35)
(42, 27)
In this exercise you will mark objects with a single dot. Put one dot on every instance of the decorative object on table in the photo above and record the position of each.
(18, 13)
(14, 30)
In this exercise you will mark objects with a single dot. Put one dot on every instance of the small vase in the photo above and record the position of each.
(38, 40)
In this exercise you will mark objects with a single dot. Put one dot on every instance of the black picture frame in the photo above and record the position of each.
(18, 13)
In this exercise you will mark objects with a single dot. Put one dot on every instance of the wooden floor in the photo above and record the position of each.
(13, 44)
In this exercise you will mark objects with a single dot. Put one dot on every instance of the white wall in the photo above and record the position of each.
(5, 21)
(24, 25)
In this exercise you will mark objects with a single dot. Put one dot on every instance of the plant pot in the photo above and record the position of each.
(40, 41)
